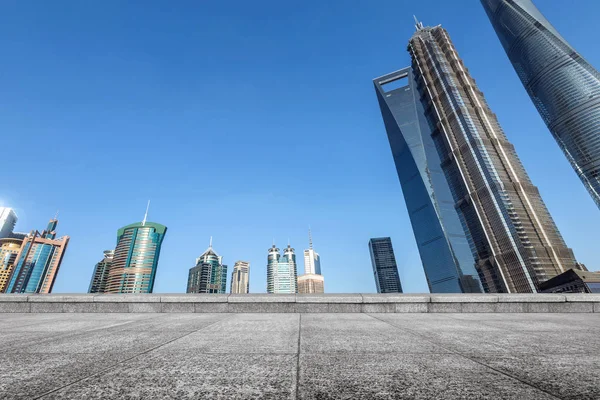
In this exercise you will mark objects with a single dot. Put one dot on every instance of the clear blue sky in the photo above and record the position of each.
(246, 121)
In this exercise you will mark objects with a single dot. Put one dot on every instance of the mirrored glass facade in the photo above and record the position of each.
(515, 242)
(385, 269)
(564, 87)
(443, 245)
(38, 261)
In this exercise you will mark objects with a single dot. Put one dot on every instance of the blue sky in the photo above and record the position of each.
(245, 121)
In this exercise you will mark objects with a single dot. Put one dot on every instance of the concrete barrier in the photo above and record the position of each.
(300, 303)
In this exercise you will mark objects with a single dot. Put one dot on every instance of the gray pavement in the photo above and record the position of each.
(303, 356)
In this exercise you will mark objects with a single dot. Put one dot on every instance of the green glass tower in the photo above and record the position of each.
(209, 275)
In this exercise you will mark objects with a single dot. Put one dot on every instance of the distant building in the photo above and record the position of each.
(38, 261)
(8, 220)
(282, 275)
(209, 275)
(562, 85)
(240, 278)
(135, 260)
(385, 269)
(311, 283)
(9, 250)
(100, 276)
(572, 281)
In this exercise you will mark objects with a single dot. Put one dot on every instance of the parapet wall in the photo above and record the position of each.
(299, 303)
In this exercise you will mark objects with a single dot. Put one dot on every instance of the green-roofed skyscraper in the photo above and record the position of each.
(136, 258)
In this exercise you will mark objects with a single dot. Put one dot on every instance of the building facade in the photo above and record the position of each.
(563, 86)
(209, 275)
(311, 283)
(441, 239)
(9, 250)
(282, 274)
(240, 278)
(573, 281)
(100, 275)
(135, 259)
(515, 243)
(385, 269)
(38, 261)
(8, 220)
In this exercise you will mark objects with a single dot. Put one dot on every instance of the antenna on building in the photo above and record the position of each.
(210, 244)
(146, 214)
(56, 215)
(309, 238)
(418, 25)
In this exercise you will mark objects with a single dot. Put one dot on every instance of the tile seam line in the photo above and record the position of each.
(105, 370)
(469, 358)
(297, 391)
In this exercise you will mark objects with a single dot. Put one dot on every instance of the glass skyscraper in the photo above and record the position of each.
(311, 281)
(38, 261)
(443, 246)
(135, 259)
(515, 243)
(563, 86)
(8, 219)
(100, 275)
(209, 275)
(384, 265)
(282, 274)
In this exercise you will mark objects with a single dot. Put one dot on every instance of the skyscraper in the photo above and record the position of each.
(38, 261)
(209, 275)
(312, 281)
(515, 242)
(443, 246)
(9, 250)
(8, 219)
(240, 278)
(282, 275)
(384, 265)
(100, 275)
(563, 86)
(135, 259)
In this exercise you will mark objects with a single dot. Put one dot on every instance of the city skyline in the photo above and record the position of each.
(337, 170)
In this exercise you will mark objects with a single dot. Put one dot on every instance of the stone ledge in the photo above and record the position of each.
(300, 303)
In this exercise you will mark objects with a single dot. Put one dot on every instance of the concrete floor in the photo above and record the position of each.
(305, 356)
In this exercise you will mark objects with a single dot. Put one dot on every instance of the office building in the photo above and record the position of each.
(282, 275)
(516, 244)
(573, 281)
(100, 275)
(311, 283)
(135, 259)
(240, 278)
(441, 239)
(38, 262)
(9, 250)
(209, 275)
(384, 265)
(8, 219)
(563, 86)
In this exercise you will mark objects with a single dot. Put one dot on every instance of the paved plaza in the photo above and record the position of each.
(299, 355)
